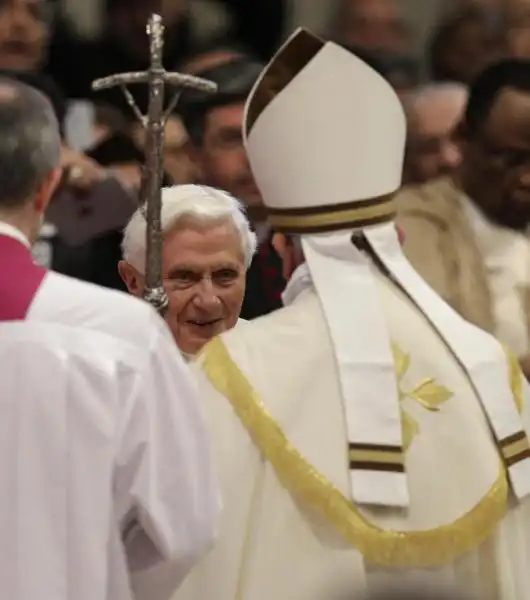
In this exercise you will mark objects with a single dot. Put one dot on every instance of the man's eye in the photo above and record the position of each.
(183, 278)
(225, 276)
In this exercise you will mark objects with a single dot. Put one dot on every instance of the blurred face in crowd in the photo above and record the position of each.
(431, 148)
(473, 44)
(222, 159)
(376, 24)
(177, 163)
(23, 34)
(518, 29)
(204, 277)
(495, 170)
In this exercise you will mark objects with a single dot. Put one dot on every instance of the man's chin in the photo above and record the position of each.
(192, 337)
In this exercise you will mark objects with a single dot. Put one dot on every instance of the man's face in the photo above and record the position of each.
(23, 34)
(376, 24)
(222, 157)
(474, 45)
(204, 276)
(431, 148)
(496, 161)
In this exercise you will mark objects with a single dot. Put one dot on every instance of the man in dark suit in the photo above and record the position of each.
(214, 126)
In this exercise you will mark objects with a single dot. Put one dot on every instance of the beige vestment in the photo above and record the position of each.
(443, 245)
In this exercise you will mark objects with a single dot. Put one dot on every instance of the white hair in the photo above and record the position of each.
(198, 202)
(423, 94)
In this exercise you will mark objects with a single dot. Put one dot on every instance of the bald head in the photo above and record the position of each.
(433, 112)
(29, 142)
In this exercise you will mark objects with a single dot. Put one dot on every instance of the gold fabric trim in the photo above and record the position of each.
(321, 221)
(433, 547)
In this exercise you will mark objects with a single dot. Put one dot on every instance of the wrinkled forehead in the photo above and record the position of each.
(443, 109)
(204, 242)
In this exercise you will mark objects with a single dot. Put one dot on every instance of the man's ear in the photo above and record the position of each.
(131, 278)
(286, 251)
(46, 190)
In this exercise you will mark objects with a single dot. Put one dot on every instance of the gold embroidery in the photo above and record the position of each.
(418, 549)
(427, 393)
(516, 378)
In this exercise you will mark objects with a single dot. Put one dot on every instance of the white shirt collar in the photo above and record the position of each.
(13, 232)
(299, 281)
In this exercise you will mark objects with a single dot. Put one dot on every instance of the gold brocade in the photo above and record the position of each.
(432, 547)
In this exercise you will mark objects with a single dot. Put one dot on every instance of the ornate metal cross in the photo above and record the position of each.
(154, 123)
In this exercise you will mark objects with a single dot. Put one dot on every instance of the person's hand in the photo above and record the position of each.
(81, 172)
(130, 176)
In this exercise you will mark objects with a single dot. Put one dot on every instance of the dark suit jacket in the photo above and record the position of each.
(265, 283)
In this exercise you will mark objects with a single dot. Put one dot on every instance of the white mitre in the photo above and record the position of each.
(325, 137)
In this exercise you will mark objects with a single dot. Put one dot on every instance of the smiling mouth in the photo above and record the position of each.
(204, 323)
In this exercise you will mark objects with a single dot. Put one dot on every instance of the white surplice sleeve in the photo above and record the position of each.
(165, 483)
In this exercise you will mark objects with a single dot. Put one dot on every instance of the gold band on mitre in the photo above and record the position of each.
(333, 217)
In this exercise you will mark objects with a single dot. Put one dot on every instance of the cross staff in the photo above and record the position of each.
(154, 123)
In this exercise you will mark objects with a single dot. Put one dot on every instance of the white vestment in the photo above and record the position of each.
(462, 527)
(506, 255)
(105, 461)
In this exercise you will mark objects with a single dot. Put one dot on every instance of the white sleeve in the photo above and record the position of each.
(165, 483)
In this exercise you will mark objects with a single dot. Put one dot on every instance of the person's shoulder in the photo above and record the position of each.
(76, 303)
(424, 195)
(434, 201)
(291, 326)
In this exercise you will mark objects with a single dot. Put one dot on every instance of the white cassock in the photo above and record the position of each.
(105, 462)
(302, 538)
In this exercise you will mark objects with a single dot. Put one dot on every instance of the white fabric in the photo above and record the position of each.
(338, 117)
(480, 358)
(271, 545)
(335, 82)
(506, 255)
(101, 435)
(9, 230)
(366, 366)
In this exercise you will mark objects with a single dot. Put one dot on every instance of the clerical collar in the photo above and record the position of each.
(299, 282)
(13, 232)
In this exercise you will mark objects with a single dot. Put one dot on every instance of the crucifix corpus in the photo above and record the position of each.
(157, 78)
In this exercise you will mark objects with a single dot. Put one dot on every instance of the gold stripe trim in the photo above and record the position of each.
(516, 448)
(378, 456)
(339, 219)
(432, 547)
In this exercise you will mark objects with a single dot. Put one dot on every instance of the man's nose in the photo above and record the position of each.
(206, 296)
(450, 154)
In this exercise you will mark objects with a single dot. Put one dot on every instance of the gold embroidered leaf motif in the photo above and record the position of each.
(410, 429)
(427, 393)
(401, 361)
(430, 395)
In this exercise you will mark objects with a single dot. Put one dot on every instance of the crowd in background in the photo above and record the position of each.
(229, 43)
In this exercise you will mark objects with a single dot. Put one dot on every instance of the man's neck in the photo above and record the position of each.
(21, 224)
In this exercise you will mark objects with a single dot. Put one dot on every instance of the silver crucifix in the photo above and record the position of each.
(154, 123)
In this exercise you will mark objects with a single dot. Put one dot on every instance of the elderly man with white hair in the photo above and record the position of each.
(208, 246)
(433, 112)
